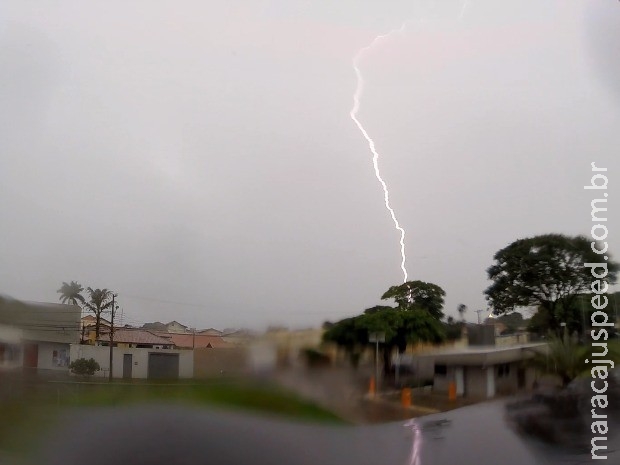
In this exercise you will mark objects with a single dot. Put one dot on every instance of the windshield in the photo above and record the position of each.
(349, 214)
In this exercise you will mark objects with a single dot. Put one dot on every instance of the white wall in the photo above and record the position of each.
(140, 359)
(53, 356)
(11, 356)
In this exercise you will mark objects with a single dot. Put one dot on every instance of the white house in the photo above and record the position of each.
(138, 363)
(483, 371)
(45, 331)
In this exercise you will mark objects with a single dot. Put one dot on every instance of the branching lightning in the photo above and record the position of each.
(371, 144)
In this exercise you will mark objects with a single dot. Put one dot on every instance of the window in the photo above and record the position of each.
(441, 370)
(503, 370)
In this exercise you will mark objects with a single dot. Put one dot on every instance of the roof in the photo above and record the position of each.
(91, 318)
(174, 322)
(485, 355)
(197, 341)
(42, 321)
(156, 326)
(210, 332)
(136, 336)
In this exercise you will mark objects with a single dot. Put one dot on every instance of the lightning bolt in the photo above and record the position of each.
(359, 89)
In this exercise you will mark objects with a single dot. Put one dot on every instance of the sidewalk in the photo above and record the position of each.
(345, 392)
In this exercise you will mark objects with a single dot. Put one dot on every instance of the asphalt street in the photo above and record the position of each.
(179, 435)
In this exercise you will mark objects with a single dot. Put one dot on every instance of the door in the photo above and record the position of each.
(459, 378)
(127, 365)
(490, 381)
(163, 366)
(31, 355)
(521, 378)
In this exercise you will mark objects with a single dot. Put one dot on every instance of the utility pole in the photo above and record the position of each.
(112, 336)
(478, 312)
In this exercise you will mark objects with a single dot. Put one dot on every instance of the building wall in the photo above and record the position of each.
(216, 362)
(475, 382)
(481, 335)
(512, 339)
(508, 383)
(11, 351)
(53, 356)
(140, 359)
(441, 382)
(175, 327)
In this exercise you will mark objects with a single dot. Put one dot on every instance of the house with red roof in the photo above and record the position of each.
(196, 341)
(137, 338)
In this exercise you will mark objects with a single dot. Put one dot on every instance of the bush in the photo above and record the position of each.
(83, 367)
(314, 358)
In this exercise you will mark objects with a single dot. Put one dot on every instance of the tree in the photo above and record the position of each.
(546, 271)
(462, 308)
(71, 293)
(416, 319)
(399, 327)
(346, 334)
(100, 301)
(418, 294)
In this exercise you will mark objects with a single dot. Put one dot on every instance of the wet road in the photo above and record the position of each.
(174, 435)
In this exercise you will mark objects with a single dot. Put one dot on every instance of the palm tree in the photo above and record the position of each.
(71, 293)
(100, 301)
(462, 308)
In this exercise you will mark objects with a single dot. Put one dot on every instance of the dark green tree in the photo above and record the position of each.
(418, 294)
(513, 321)
(415, 319)
(545, 271)
(100, 301)
(346, 334)
(71, 293)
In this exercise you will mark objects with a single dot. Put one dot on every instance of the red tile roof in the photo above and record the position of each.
(189, 341)
(136, 336)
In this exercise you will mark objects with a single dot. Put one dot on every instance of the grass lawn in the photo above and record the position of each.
(31, 414)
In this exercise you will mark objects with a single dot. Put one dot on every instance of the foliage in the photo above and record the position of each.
(71, 293)
(416, 319)
(576, 314)
(566, 358)
(513, 321)
(84, 367)
(418, 294)
(315, 358)
(100, 301)
(546, 271)
(453, 329)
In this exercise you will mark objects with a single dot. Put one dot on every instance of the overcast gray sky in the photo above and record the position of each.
(198, 158)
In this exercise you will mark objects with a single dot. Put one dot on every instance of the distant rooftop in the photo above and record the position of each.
(485, 355)
(136, 336)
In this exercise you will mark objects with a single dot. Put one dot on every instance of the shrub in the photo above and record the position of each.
(83, 367)
(314, 358)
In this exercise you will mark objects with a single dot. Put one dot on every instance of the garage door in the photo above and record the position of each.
(163, 366)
